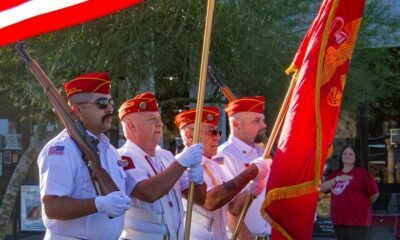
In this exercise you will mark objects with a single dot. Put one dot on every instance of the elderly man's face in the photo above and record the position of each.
(209, 137)
(148, 126)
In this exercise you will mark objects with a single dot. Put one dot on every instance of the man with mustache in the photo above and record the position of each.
(209, 219)
(248, 128)
(155, 178)
(71, 208)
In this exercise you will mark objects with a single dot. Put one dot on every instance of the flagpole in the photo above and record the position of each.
(267, 152)
(280, 117)
(200, 101)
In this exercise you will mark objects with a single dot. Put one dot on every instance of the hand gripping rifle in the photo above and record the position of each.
(102, 182)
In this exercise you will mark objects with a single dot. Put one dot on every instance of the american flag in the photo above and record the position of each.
(56, 150)
(219, 160)
(21, 19)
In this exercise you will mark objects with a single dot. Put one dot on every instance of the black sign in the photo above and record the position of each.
(323, 227)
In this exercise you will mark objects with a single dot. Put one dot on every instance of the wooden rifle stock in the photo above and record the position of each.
(101, 180)
(212, 71)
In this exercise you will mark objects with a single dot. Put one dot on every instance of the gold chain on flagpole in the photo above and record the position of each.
(267, 151)
(200, 101)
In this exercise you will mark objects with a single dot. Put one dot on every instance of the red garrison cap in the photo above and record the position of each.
(209, 115)
(89, 83)
(145, 102)
(246, 104)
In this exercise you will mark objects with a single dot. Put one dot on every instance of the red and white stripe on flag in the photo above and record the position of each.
(21, 19)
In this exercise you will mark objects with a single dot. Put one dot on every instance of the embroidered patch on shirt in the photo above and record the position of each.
(126, 163)
(56, 150)
(219, 160)
(339, 187)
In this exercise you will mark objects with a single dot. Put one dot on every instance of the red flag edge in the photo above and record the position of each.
(311, 186)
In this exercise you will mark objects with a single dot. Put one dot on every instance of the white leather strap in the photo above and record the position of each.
(202, 220)
(55, 236)
(132, 234)
(167, 209)
(167, 216)
(145, 216)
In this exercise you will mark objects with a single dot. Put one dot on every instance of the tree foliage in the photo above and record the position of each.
(160, 41)
(252, 44)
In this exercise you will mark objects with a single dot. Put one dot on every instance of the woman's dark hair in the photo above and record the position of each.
(357, 162)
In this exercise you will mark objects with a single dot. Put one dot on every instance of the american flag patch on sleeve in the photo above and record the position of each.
(219, 160)
(56, 150)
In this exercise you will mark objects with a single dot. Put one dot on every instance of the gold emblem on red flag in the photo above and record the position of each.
(340, 46)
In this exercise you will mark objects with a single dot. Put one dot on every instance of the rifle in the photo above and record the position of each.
(223, 87)
(102, 182)
(268, 146)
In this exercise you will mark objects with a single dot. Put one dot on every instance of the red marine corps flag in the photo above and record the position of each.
(20, 19)
(320, 65)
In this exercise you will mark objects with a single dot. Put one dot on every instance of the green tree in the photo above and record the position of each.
(252, 43)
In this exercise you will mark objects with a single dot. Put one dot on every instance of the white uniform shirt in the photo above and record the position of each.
(236, 157)
(213, 176)
(139, 172)
(64, 173)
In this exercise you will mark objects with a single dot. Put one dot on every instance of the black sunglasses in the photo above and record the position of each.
(214, 132)
(102, 102)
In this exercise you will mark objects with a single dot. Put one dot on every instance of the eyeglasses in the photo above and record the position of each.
(214, 132)
(210, 132)
(102, 103)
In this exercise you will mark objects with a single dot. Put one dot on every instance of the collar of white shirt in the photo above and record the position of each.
(242, 146)
(104, 140)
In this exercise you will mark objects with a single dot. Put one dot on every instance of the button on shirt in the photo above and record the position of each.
(139, 173)
(64, 173)
(237, 156)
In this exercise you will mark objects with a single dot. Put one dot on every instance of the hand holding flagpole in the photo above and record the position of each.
(200, 101)
(267, 152)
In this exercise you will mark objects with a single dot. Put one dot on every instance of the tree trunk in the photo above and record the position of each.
(16, 179)
(390, 161)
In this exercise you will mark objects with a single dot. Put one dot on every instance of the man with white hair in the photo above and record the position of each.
(209, 219)
(155, 178)
(248, 128)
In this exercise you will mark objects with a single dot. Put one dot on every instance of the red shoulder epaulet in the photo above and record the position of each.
(126, 162)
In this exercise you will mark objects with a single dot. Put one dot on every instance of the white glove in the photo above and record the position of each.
(256, 187)
(191, 156)
(114, 204)
(196, 174)
(263, 166)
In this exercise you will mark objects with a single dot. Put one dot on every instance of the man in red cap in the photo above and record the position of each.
(247, 127)
(155, 178)
(71, 208)
(209, 219)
